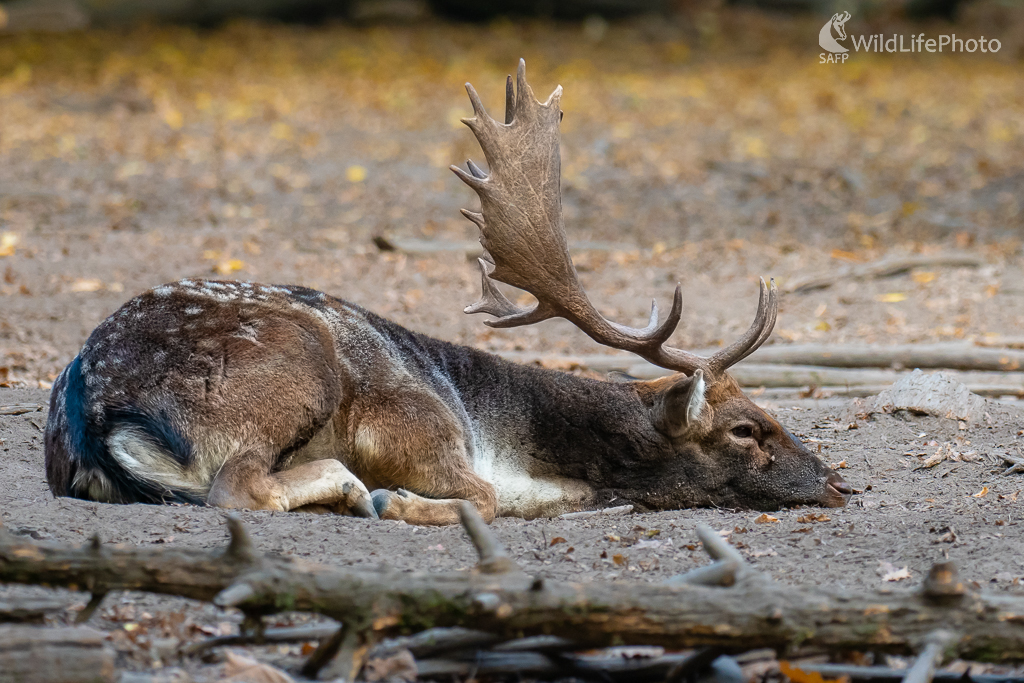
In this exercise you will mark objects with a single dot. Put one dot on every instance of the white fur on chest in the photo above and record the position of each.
(521, 494)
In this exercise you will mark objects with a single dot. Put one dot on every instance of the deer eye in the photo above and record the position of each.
(743, 432)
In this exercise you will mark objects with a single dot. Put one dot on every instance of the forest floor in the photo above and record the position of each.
(709, 151)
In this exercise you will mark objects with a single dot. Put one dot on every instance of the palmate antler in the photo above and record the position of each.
(524, 239)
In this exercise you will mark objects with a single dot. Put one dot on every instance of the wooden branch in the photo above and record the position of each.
(287, 634)
(887, 267)
(854, 370)
(29, 610)
(385, 601)
(883, 674)
(923, 668)
(36, 654)
(728, 567)
(1016, 463)
(940, 355)
(603, 512)
(493, 557)
(20, 408)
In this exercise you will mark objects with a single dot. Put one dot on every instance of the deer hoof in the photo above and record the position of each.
(381, 498)
(365, 507)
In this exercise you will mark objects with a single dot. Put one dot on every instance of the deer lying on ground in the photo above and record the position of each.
(244, 395)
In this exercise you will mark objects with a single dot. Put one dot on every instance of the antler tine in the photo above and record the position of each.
(769, 325)
(475, 170)
(495, 303)
(510, 100)
(756, 334)
(655, 335)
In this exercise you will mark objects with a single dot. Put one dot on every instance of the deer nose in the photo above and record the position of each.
(839, 484)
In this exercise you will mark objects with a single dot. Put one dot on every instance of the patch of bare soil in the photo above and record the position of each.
(916, 510)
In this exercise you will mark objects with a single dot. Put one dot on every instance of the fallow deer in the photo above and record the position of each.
(243, 395)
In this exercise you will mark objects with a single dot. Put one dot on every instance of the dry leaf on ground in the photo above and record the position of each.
(891, 573)
(241, 668)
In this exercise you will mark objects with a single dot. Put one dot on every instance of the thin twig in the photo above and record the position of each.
(606, 512)
(240, 548)
(325, 652)
(20, 408)
(493, 557)
(1016, 463)
(923, 668)
(729, 565)
(722, 573)
(95, 600)
(291, 634)
(717, 547)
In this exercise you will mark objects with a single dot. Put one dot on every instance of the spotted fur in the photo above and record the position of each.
(280, 397)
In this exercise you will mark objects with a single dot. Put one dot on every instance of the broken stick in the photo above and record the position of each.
(510, 604)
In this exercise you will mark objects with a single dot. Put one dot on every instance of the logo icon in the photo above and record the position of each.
(825, 38)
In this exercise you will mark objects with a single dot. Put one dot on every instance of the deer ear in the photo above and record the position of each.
(680, 406)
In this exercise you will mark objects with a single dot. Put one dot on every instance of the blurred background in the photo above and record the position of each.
(703, 143)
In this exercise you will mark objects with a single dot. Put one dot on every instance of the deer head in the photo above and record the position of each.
(712, 434)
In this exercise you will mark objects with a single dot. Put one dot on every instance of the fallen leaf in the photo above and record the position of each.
(8, 241)
(812, 517)
(897, 575)
(556, 540)
(891, 298)
(765, 518)
(400, 666)
(86, 285)
(619, 559)
(982, 493)
(890, 573)
(846, 256)
(239, 668)
(797, 675)
(923, 278)
(228, 266)
(355, 174)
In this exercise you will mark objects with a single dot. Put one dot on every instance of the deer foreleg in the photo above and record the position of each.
(415, 509)
(241, 484)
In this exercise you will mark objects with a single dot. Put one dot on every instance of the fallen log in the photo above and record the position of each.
(887, 267)
(884, 674)
(381, 602)
(36, 654)
(29, 610)
(943, 355)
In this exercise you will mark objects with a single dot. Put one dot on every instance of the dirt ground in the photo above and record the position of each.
(277, 154)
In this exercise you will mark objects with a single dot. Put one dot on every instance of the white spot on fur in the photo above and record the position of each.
(248, 332)
(164, 290)
(193, 310)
